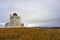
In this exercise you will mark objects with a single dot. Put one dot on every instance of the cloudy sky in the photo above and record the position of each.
(32, 12)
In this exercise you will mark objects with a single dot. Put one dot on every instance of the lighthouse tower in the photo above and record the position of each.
(15, 21)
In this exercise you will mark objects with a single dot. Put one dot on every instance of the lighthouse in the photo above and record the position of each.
(15, 21)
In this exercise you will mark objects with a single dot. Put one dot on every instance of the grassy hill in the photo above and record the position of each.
(29, 34)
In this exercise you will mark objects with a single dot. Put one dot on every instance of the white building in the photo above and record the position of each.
(14, 21)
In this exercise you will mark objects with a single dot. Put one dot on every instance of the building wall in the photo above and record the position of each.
(14, 22)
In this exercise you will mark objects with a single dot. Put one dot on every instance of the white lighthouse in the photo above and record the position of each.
(15, 21)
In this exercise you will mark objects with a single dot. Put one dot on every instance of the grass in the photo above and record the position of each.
(29, 34)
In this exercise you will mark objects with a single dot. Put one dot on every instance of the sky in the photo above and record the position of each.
(32, 12)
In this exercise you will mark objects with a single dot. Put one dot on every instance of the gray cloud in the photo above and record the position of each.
(32, 11)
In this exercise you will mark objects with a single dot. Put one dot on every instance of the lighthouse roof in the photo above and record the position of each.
(14, 14)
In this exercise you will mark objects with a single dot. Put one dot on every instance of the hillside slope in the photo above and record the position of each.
(29, 34)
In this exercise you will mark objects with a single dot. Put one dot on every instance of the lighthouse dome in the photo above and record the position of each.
(14, 14)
